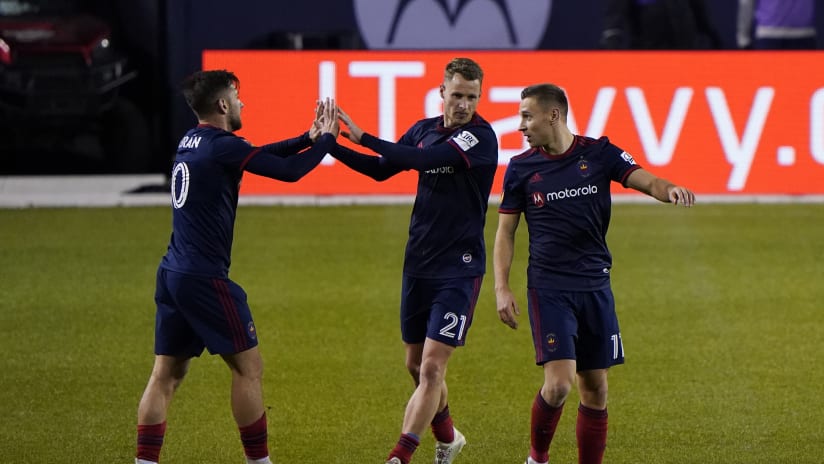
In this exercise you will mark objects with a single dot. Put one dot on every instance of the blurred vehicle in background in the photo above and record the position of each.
(61, 108)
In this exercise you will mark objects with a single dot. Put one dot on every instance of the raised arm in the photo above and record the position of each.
(295, 145)
(403, 156)
(660, 189)
(289, 146)
(375, 167)
(293, 168)
(419, 159)
(503, 253)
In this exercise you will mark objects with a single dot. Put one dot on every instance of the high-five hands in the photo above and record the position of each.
(355, 133)
(326, 119)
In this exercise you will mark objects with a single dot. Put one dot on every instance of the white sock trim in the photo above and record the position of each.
(265, 460)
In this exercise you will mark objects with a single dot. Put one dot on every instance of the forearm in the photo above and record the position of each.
(660, 189)
(503, 253)
(368, 165)
(289, 146)
(293, 168)
(407, 157)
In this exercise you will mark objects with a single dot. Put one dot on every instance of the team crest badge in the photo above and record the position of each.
(583, 167)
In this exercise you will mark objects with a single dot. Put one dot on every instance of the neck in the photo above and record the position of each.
(561, 142)
(220, 123)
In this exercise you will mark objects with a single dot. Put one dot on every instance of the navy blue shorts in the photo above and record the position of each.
(195, 312)
(440, 309)
(575, 325)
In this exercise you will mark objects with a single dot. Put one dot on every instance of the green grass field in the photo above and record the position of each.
(720, 310)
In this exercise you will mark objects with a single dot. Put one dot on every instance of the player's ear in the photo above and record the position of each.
(442, 88)
(555, 114)
(222, 106)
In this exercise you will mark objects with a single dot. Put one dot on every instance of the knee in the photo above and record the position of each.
(169, 380)
(594, 396)
(414, 368)
(253, 370)
(555, 392)
(432, 373)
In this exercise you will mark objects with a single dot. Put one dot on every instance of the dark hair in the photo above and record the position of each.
(467, 68)
(202, 89)
(546, 94)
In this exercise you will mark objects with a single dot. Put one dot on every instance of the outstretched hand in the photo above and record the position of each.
(326, 118)
(683, 195)
(355, 133)
(314, 129)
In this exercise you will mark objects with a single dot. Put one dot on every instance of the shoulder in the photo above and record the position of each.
(601, 145)
(480, 124)
(523, 156)
(426, 124)
(477, 130)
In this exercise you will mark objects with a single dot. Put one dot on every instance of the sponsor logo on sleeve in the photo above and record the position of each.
(465, 140)
(627, 157)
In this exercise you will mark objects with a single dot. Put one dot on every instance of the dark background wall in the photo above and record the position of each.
(164, 40)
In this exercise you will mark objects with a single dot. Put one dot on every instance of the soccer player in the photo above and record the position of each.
(198, 306)
(456, 155)
(562, 186)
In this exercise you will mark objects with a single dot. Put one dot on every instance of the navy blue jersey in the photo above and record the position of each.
(566, 202)
(206, 178)
(456, 169)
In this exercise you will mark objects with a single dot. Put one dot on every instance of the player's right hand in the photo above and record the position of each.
(507, 308)
(354, 134)
(328, 120)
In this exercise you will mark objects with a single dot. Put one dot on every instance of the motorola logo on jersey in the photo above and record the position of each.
(456, 24)
(572, 193)
(467, 258)
(442, 170)
(538, 199)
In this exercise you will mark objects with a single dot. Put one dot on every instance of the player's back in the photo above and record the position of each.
(205, 184)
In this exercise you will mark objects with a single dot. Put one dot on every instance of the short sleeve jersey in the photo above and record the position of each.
(205, 181)
(566, 202)
(446, 231)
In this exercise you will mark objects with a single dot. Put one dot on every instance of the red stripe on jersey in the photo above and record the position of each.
(630, 171)
(537, 333)
(230, 311)
(476, 290)
(248, 157)
(462, 153)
